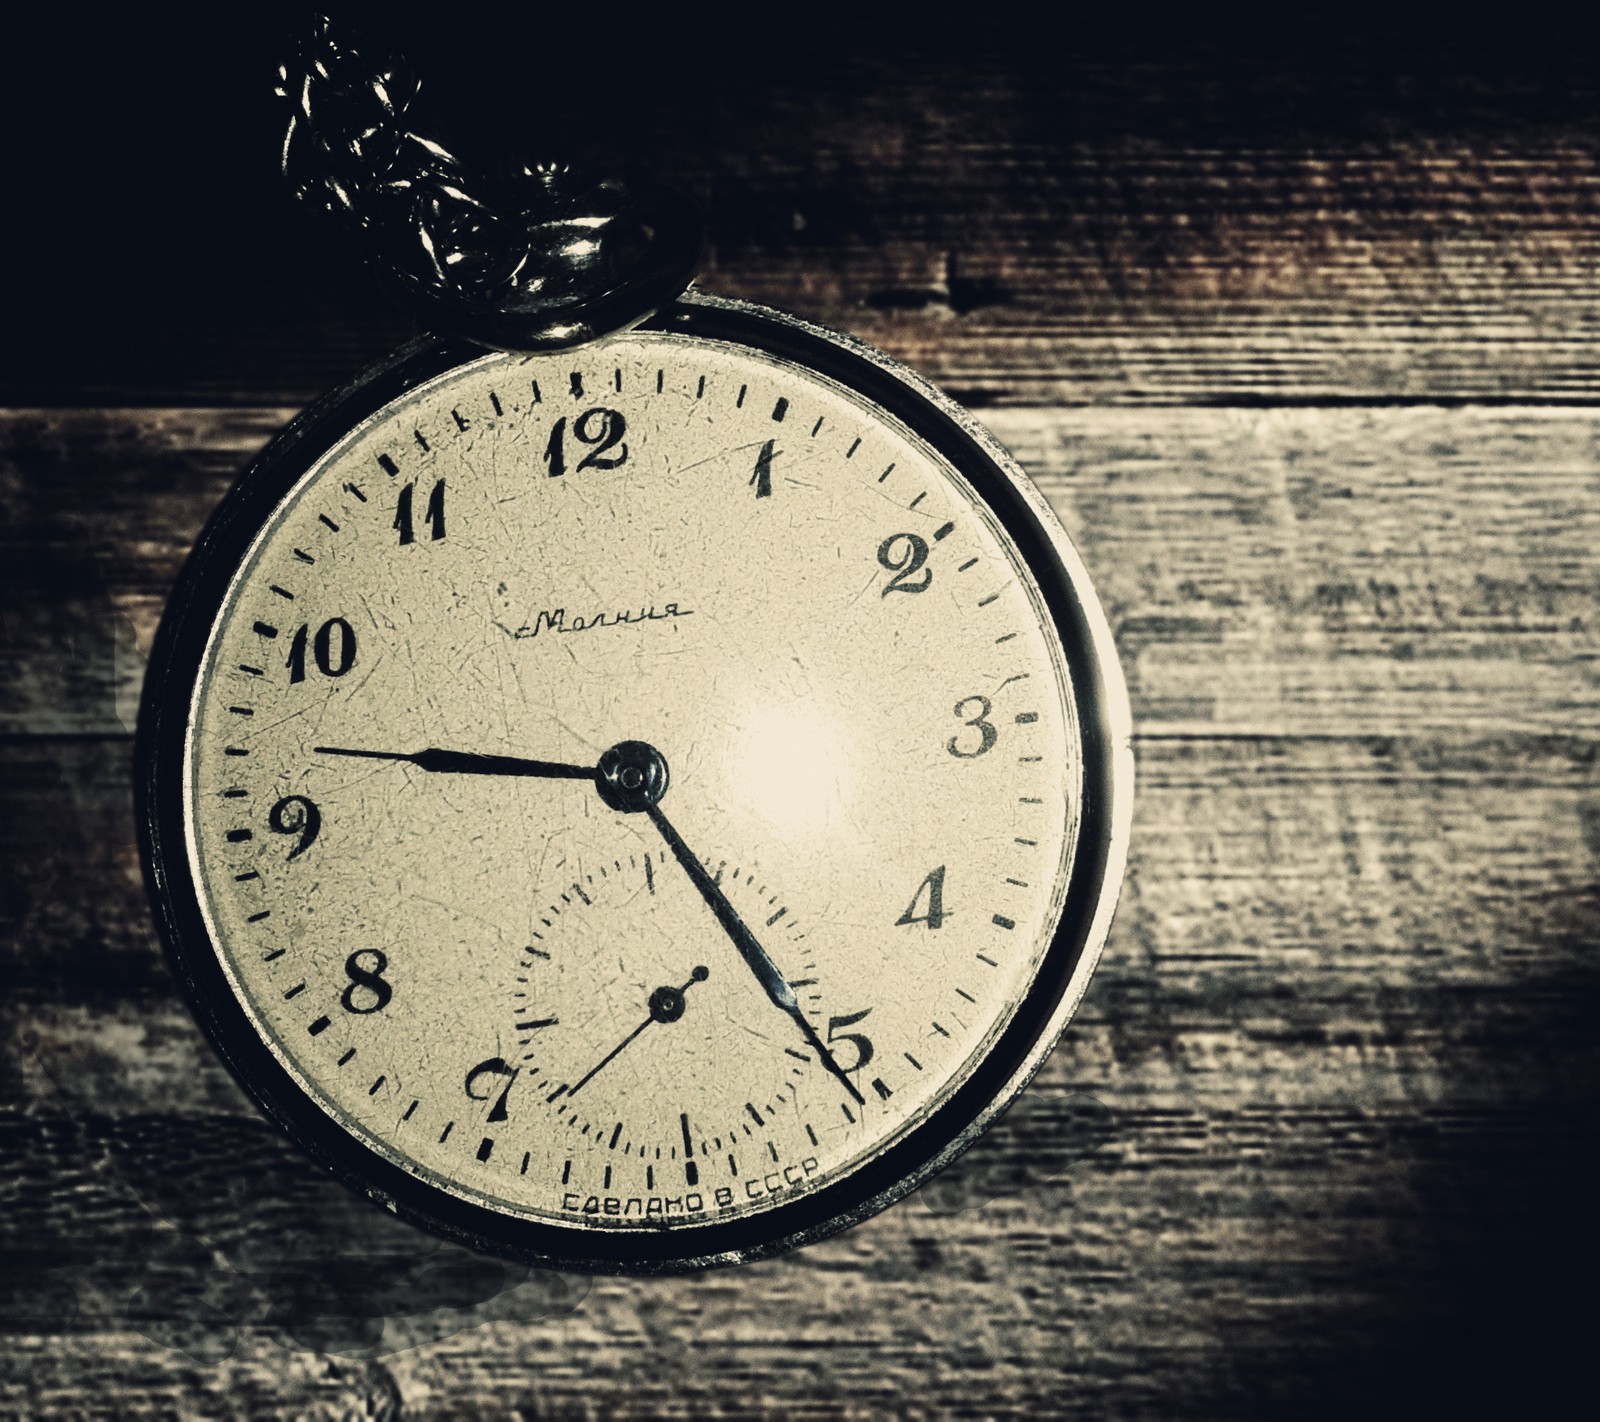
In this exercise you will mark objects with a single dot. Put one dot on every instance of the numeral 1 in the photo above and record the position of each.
(761, 480)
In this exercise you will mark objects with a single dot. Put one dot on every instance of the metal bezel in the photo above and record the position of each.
(1096, 874)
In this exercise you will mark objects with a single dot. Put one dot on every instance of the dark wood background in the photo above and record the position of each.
(1300, 333)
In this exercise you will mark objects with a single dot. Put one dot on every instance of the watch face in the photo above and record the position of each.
(641, 807)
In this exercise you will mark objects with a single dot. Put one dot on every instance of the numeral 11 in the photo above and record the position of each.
(433, 514)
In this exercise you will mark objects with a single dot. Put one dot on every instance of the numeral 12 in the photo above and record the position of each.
(599, 427)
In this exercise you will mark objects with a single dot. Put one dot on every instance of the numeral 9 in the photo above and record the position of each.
(294, 814)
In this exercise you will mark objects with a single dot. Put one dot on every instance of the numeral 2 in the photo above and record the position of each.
(903, 554)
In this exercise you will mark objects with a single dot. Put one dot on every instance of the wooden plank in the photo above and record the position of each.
(1159, 223)
(119, 1374)
(1138, 1282)
(1430, 901)
(1295, 572)
(1415, 271)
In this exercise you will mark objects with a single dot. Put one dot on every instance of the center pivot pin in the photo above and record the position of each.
(632, 776)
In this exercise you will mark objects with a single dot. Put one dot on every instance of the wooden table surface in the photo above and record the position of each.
(1302, 341)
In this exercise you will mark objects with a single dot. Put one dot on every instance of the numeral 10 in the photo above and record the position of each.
(333, 649)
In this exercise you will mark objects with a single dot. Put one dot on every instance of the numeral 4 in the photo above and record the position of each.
(933, 888)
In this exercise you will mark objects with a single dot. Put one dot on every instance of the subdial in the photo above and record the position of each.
(638, 1025)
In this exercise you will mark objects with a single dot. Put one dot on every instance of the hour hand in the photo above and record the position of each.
(453, 762)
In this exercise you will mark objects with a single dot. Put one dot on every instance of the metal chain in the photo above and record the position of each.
(533, 257)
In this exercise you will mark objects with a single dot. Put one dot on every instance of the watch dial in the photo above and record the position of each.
(830, 855)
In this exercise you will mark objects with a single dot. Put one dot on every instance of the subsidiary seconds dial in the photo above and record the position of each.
(640, 807)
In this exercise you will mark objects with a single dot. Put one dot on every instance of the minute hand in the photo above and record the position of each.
(761, 964)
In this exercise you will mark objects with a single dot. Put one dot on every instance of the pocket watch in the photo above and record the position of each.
(635, 781)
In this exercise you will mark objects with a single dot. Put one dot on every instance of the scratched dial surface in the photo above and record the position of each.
(512, 989)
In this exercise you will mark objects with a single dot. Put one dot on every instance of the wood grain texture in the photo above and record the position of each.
(1102, 271)
(1293, 572)
(1183, 220)
(1298, 333)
